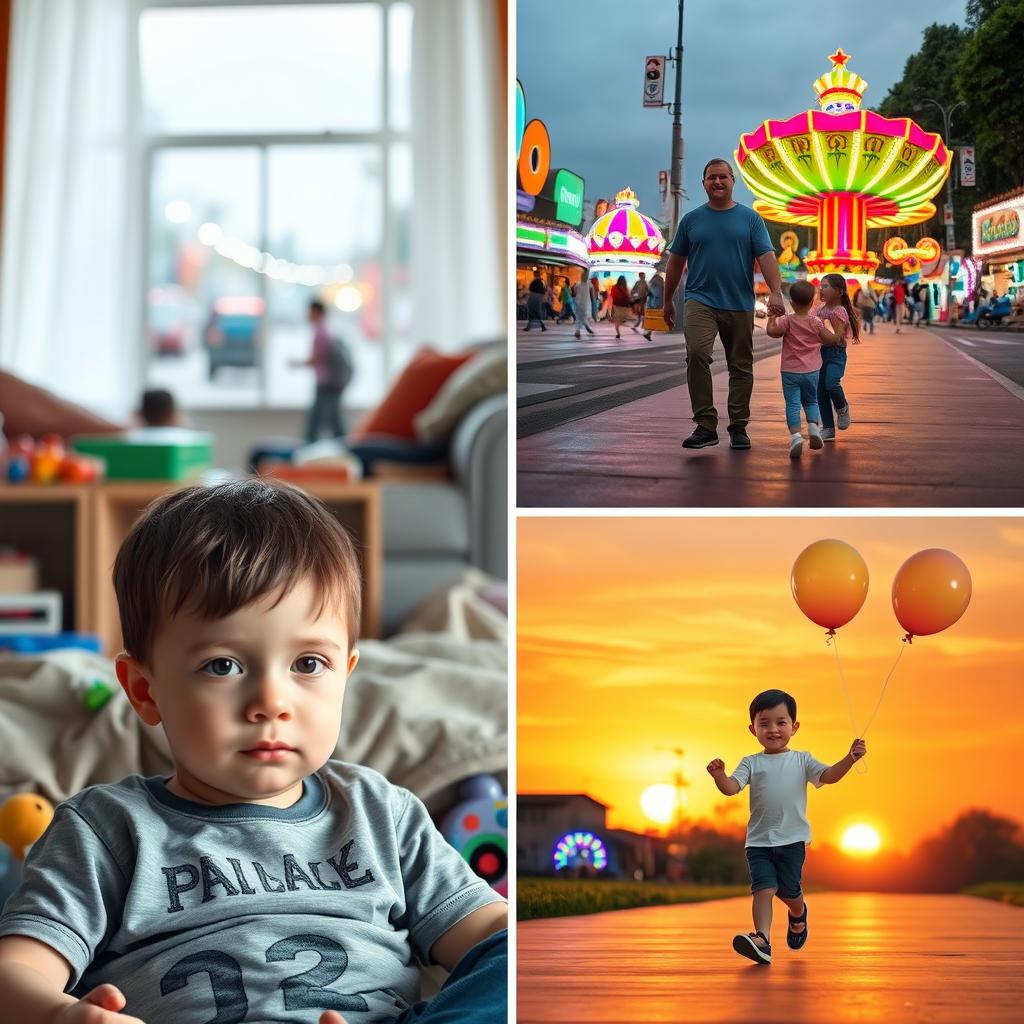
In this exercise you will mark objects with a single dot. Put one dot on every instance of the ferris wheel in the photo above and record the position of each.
(580, 850)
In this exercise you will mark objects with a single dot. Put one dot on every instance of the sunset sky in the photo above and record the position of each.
(640, 635)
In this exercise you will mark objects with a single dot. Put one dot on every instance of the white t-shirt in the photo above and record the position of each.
(778, 795)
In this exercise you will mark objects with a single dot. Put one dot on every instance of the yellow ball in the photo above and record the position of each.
(24, 817)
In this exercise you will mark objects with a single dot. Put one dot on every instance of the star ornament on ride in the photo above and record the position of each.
(843, 170)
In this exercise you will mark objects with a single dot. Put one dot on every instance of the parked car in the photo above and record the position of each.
(232, 332)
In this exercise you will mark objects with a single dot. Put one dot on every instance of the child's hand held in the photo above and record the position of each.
(716, 767)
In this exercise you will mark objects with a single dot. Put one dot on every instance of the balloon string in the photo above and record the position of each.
(903, 646)
(842, 680)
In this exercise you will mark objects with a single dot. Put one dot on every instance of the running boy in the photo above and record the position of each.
(778, 829)
(835, 306)
(261, 881)
(802, 336)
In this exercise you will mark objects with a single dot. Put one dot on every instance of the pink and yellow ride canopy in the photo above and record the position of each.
(625, 236)
(843, 170)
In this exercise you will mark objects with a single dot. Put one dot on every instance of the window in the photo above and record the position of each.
(279, 169)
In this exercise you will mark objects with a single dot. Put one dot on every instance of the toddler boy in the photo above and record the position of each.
(778, 830)
(262, 881)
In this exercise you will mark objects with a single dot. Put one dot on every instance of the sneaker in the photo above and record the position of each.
(647, 335)
(814, 435)
(828, 433)
(738, 438)
(746, 946)
(843, 417)
(796, 446)
(701, 438)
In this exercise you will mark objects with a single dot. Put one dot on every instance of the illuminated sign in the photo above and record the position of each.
(997, 229)
(1000, 227)
(557, 194)
(567, 193)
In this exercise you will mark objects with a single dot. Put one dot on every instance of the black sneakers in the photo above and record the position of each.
(701, 438)
(738, 437)
(746, 946)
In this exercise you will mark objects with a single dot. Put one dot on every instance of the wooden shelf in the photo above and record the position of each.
(54, 524)
(75, 533)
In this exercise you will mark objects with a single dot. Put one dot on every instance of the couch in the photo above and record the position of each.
(433, 529)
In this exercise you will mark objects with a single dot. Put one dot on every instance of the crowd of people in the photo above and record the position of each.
(541, 302)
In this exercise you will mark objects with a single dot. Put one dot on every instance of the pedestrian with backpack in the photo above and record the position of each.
(332, 365)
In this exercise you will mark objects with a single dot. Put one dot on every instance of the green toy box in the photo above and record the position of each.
(157, 453)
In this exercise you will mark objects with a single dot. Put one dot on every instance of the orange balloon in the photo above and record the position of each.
(830, 582)
(931, 591)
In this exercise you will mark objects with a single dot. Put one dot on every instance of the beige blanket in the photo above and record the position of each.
(425, 708)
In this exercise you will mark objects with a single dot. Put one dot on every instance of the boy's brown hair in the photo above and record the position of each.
(801, 293)
(213, 550)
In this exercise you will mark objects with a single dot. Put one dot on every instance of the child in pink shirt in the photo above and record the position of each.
(802, 336)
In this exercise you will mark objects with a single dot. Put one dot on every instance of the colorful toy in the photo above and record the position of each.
(48, 462)
(478, 828)
(96, 694)
(843, 170)
(24, 817)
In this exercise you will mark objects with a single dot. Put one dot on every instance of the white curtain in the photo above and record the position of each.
(460, 149)
(70, 274)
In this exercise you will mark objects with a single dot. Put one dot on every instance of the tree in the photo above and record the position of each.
(991, 65)
(979, 11)
(978, 847)
(929, 74)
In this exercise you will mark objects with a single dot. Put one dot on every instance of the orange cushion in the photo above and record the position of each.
(414, 390)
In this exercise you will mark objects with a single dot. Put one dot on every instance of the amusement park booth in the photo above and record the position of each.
(999, 242)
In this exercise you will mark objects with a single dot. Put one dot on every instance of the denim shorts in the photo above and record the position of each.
(776, 867)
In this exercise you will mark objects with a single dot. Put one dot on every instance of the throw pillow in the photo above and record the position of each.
(416, 386)
(484, 375)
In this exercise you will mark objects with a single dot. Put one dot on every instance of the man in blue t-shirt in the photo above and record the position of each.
(718, 243)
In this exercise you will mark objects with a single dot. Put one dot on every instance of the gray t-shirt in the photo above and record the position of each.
(246, 913)
(778, 795)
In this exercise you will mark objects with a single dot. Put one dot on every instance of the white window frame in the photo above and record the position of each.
(384, 138)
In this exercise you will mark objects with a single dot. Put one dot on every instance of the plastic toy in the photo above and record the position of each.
(24, 817)
(48, 462)
(478, 828)
(96, 694)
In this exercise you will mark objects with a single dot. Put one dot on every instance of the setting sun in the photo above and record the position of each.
(659, 803)
(860, 841)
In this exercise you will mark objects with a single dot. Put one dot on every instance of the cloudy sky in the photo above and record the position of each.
(636, 636)
(581, 63)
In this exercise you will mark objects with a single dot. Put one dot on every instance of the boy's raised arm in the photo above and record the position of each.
(32, 980)
(726, 783)
(772, 329)
(836, 771)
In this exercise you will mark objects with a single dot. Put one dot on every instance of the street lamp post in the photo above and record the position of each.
(676, 182)
(947, 117)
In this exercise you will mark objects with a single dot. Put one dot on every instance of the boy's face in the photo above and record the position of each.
(225, 689)
(773, 728)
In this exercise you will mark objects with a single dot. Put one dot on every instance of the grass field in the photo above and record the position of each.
(1004, 892)
(562, 897)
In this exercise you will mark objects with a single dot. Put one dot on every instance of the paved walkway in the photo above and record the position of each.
(869, 957)
(931, 427)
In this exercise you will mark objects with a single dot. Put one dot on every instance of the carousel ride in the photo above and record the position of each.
(843, 170)
(624, 241)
